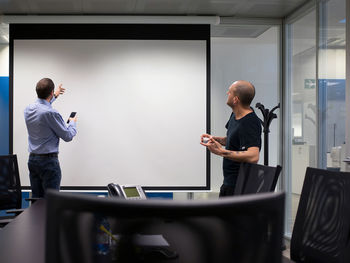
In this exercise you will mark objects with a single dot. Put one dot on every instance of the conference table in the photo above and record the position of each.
(23, 240)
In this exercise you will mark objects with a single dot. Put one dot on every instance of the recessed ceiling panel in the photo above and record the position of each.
(224, 8)
(109, 6)
(14, 7)
(238, 31)
(55, 6)
(171, 7)
(273, 9)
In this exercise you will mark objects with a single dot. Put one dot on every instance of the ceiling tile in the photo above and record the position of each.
(109, 6)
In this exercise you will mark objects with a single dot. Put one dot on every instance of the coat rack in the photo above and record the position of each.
(268, 117)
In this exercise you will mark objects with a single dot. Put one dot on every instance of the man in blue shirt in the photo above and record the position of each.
(243, 138)
(45, 128)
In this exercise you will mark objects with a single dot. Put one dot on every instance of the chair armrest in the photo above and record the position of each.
(14, 211)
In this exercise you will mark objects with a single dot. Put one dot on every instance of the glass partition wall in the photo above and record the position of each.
(314, 115)
(331, 80)
(302, 113)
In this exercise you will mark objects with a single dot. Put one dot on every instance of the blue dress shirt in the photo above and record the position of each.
(45, 127)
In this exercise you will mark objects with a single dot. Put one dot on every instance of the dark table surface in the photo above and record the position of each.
(23, 240)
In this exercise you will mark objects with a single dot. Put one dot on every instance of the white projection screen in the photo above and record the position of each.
(141, 102)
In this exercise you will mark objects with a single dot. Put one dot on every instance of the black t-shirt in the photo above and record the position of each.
(241, 134)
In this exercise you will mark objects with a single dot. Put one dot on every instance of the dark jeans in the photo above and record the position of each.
(226, 190)
(44, 173)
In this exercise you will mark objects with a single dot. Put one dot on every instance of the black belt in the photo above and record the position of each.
(44, 154)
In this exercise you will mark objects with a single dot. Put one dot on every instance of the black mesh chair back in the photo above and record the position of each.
(255, 178)
(237, 229)
(321, 230)
(10, 185)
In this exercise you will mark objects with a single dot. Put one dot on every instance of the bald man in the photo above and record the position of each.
(243, 138)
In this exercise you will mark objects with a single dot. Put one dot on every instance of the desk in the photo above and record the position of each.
(23, 240)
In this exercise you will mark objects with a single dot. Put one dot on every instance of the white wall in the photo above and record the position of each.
(252, 59)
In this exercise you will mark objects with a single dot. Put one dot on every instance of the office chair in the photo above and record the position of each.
(238, 229)
(255, 178)
(321, 232)
(10, 188)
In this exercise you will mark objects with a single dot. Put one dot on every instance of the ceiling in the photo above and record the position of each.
(225, 9)
(230, 8)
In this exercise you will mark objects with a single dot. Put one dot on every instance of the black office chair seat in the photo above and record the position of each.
(321, 230)
(256, 178)
(10, 188)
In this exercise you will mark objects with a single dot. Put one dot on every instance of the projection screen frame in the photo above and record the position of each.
(112, 32)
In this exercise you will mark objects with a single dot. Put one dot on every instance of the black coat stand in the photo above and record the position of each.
(268, 117)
